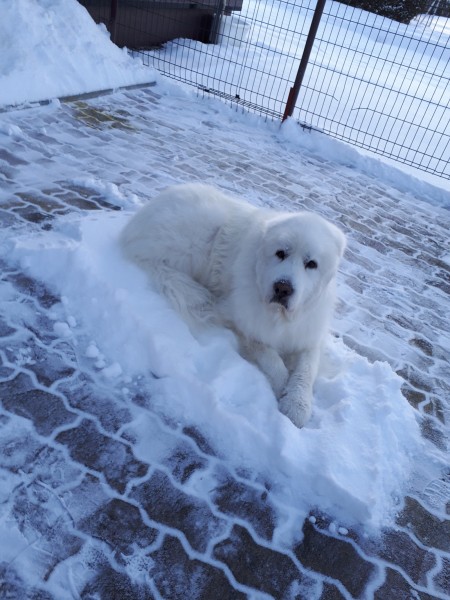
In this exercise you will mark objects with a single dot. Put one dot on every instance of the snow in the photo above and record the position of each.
(354, 459)
(52, 48)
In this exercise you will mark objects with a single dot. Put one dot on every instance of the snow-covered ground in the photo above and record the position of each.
(207, 376)
(204, 382)
(362, 449)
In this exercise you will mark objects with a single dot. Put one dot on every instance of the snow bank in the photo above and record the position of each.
(353, 459)
(404, 178)
(52, 48)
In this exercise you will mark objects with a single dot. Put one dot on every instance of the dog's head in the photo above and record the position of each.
(298, 257)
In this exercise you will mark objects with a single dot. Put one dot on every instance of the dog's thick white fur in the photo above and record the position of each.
(269, 276)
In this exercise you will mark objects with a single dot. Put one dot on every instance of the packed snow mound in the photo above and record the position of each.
(352, 460)
(52, 48)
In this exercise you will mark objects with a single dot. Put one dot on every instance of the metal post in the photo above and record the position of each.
(295, 89)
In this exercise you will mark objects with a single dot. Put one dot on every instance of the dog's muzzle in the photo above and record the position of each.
(282, 291)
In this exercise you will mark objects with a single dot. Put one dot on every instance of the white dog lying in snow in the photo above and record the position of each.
(269, 276)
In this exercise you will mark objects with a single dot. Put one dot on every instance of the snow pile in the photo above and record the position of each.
(407, 179)
(52, 48)
(352, 460)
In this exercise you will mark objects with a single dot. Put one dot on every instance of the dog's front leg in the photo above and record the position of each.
(296, 400)
(269, 362)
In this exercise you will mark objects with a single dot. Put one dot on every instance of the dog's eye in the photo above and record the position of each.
(281, 254)
(310, 264)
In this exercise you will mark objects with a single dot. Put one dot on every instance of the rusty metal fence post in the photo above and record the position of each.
(295, 89)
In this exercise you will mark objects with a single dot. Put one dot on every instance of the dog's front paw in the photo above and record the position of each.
(298, 410)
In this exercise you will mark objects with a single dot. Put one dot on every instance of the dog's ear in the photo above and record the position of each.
(340, 239)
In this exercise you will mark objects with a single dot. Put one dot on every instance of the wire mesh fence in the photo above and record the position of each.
(384, 86)
(371, 81)
(255, 58)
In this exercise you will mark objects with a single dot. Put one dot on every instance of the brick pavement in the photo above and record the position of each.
(100, 523)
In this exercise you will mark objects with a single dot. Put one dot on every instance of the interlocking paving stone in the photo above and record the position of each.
(11, 158)
(397, 587)
(240, 500)
(177, 576)
(50, 467)
(13, 587)
(82, 394)
(102, 454)
(335, 558)
(199, 439)
(35, 289)
(5, 329)
(429, 529)
(85, 496)
(103, 524)
(44, 409)
(397, 548)
(111, 584)
(48, 366)
(442, 580)
(331, 592)
(37, 510)
(257, 566)
(164, 503)
(184, 462)
(19, 452)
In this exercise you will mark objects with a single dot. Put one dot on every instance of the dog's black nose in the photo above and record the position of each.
(282, 289)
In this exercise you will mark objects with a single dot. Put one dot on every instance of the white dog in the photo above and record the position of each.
(269, 276)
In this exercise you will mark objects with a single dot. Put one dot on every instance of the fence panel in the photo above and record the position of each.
(254, 61)
(382, 85)
(371, 81)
